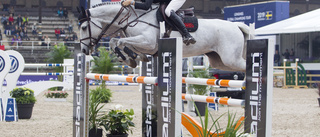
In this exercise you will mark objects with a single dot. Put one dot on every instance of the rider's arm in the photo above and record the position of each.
(144, 6)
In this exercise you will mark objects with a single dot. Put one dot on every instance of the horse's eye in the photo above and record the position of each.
(84, 27)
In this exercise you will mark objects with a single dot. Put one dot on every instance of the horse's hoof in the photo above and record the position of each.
(143, 58)
(119, 54)
(130, 53)
(130, 62)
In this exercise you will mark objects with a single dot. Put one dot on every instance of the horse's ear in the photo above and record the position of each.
(83, 11)
(78, 9)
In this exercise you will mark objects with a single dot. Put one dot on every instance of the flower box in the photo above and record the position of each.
(55, 99)
(58, 96)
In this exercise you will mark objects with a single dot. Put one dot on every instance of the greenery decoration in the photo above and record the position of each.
(23, 95)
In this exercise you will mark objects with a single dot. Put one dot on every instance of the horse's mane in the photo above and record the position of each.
(107, 3)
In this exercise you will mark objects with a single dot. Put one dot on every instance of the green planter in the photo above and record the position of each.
(25, 111)
(95, 132)
(109, 135)
(201, 107)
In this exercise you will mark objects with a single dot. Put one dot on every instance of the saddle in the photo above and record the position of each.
(186, 15)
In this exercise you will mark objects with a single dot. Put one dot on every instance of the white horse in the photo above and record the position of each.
(222, 41)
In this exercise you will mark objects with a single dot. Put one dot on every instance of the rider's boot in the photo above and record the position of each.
(187, 38)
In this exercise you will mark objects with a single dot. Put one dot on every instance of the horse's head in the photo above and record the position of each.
(89, 31)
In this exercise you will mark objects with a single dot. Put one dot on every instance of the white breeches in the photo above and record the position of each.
(174, 5)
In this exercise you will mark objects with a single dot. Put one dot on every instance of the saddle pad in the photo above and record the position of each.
(191, 23)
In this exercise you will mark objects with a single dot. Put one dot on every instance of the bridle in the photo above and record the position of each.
(94, 41)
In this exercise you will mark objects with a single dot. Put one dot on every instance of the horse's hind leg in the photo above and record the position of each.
(226, 63)
(215, 61)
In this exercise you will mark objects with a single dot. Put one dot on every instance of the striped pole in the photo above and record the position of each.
(47, 74)
(214, 82)
(209, 99)
(47, 65)
(115, 84)
(130, 79)
(153, 80)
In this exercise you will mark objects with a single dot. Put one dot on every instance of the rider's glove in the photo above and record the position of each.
(127, 3)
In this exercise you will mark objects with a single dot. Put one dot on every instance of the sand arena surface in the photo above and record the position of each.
(296, 113)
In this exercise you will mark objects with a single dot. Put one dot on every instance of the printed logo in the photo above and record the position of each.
(267, 15)
(2, 64)
(14, 64)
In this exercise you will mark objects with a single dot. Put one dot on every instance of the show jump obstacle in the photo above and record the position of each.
(161, 91)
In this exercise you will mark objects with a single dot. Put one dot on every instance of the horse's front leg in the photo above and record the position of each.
(136, 47)
(120, 54)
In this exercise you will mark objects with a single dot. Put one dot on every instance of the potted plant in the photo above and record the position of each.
(214, 130)
(200, 89)
(103, 93)
(25, 101)
(54, 95)
(102, 64)
(117, 122)
(95, 105)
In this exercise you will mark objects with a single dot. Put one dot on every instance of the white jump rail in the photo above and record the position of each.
(47, 73)
(216, 100)
(199, 67)
(47, 65)
(214, 82)
(154, 80)
(130, 79)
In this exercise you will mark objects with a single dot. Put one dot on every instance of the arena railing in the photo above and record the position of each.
(38, 44)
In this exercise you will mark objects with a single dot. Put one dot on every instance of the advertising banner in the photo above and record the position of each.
(169, 102)
(258, 98)
(80, 127)
(261, 14)
(11, 113)
(26, 79)
(149, 99)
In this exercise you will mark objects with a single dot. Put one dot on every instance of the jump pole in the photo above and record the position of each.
(154, 80)
(168, 102)
(81, 94)
(258, 103)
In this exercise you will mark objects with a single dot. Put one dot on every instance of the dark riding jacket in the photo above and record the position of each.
(147, 4)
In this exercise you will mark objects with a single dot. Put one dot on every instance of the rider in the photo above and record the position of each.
(173, 6)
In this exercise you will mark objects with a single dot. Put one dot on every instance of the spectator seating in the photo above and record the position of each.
(50, 21)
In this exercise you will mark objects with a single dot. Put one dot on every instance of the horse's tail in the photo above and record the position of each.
(247, 35)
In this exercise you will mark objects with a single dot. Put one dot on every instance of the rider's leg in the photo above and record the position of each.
(173, 6)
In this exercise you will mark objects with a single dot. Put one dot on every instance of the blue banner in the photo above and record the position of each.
(214, 106)
(11, 110)
(26, 79)
(261, 14)
(1, 110)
